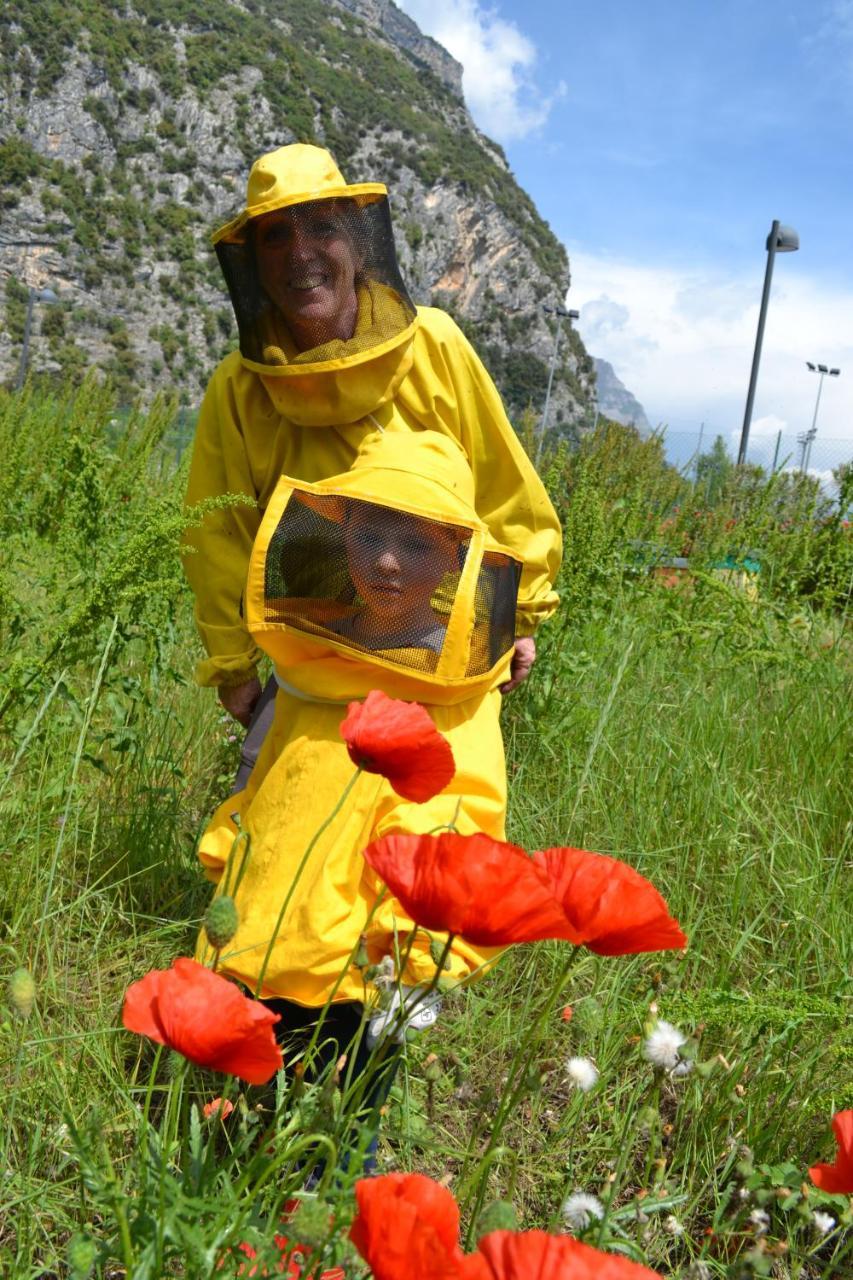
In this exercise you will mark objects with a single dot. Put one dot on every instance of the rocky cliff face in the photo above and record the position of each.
(126, 133)
(614, 400)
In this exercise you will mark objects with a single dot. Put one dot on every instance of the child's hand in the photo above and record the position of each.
(522, 660)
(239, 700)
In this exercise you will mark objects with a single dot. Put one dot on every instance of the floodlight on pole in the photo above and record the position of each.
(34, 296)
(822, 370)
(781, 240)
(562, 314)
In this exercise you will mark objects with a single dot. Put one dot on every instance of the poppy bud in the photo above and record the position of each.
(432, 1068)
(22, 992)
(436, 951)
(362, 959)
(82, 1255)
(498, 1216)
(221, 921)
(311, 1222)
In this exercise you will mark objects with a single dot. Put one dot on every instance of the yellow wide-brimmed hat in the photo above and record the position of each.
(423, 473)
(295, 174)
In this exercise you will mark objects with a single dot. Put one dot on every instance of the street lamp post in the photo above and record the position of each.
(35, 295)
(821, 370)
(781, 240)
(562, 314)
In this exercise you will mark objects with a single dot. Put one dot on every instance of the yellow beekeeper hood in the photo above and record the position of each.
(322, 312)
(384, 577)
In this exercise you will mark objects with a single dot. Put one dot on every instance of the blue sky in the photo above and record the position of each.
(660, 140)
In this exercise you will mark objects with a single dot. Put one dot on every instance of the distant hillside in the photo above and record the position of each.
(614, 400)
(126, 133)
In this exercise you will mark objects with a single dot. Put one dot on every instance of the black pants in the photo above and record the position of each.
(341, 1024)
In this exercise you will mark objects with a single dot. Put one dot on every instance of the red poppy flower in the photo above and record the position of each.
(484, 890)
(535, 1255)
(206, 1018)
(838, 1177)
(607, 905)
(217, 1108)
(407, 1225)
(400, 741)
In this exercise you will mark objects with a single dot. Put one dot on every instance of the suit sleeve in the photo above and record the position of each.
(510, 496)
(216, 551)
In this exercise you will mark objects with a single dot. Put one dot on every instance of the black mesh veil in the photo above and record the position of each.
(383, 581)
(315, 281)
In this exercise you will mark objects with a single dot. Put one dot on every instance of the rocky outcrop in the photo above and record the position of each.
(384, 16)
(126, 137)
(614, 400)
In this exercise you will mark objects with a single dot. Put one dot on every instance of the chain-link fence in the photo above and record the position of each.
(819, 455)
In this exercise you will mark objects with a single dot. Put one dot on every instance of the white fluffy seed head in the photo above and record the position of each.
(662, 1046)
(582, 1073)
(581, 1209)
(760, 1220)
(672, 1226)
(822, 1222)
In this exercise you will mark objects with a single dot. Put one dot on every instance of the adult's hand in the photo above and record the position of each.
(239, 699)
(522, 660)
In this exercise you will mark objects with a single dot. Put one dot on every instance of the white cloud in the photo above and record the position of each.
(682, 342)
(498, 62)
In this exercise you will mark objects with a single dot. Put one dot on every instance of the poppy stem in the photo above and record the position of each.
(324, 826)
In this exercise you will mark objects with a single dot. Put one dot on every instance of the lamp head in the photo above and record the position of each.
(787, 240)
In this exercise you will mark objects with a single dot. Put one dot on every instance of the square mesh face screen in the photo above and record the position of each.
(384, 581)
(316, 281)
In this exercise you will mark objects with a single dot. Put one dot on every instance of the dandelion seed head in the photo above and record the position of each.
(822, 1222)
(682, 1068)
(662, 1046)
(672, 1226)
(386, 974)
(760, 1220)
(583, 1073)
(581, 1209)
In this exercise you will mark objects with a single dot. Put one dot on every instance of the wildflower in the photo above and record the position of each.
(206, 1018)
(536, 1255)
(399, 740)
(386, 974)
(838, 1177)
(566, 1013)
(582, 1073)
(221, 921)
(662, 1046)
(607, 905)
(407, 1225)
(219, 1108)
(822, 1222)
(484, 890)
(760, 1220)
(22, 992)
(581, 1209)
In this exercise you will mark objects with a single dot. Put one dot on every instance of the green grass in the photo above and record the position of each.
(650, 731)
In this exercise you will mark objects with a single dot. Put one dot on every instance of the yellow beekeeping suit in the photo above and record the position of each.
(272, 411)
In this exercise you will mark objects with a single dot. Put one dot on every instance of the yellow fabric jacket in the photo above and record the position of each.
(252, 429)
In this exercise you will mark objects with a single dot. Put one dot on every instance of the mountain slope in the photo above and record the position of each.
(127, 132)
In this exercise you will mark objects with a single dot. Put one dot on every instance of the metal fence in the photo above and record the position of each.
(778, 451)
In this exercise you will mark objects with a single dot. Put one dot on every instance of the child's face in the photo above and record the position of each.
(396, 561)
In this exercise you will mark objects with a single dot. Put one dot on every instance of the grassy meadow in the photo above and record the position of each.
(694, 725)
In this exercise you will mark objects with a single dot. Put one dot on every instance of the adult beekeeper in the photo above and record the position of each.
(396, 537)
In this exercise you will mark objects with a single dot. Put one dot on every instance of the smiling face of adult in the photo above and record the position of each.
(307, 265)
